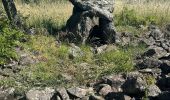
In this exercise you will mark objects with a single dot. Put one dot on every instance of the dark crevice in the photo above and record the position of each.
(96, 36)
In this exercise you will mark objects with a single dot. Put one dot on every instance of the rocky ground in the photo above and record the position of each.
(150, 81)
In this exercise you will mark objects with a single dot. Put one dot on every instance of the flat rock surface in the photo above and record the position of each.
(102, 7)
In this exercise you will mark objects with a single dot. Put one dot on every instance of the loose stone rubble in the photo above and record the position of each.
(151, 79)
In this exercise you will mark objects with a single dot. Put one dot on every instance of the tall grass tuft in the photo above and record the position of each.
(51, 16)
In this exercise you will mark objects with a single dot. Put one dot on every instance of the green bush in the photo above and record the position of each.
(8, 40)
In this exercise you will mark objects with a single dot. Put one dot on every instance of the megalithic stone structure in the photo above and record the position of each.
(91, 22)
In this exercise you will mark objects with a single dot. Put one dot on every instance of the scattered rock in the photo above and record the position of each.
(134, 84)
(153, 91)
(115, 81)
(6, 72)
(156, 34)
(74, 51)
(77, 92)
(90, 91)
(58, 98)
(126, 97)
(105, 90)
(156, 52)
(62, 93)
(148, 62)
(11, 64)
(101, 49)
(124, 38)
(38, 94)
(154, 71)
(104, 48)
(7, 94)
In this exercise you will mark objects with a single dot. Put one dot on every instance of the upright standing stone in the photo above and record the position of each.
(91, 21)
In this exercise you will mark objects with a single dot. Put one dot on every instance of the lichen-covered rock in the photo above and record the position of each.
(62, 93)
(105, 90)
(7, 94)
(77, 92)
(115, 81)
(157, 54)
(125, 38)
(153, 91)
(74, 51)
(39, 94)
(91, 21)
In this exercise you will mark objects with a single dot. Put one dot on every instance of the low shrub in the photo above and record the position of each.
(9, 38)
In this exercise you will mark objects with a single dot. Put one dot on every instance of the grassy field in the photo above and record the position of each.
(127, 12)
(51, 16)
(54, 63)
(157, 11)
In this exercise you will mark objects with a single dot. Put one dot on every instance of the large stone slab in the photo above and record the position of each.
(91, 22)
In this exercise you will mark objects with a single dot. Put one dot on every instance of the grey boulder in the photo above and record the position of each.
(40, 94)
(91, 21)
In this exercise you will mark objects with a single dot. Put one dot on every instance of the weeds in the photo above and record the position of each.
(116, 61)
(9, 38)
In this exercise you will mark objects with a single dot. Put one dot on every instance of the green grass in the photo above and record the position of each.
(115, 61)
(9, 38)
(54, 60)
(53, 15)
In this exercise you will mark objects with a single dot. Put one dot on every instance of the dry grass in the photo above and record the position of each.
(58, 13)
(55, 13)
(159, 9)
